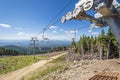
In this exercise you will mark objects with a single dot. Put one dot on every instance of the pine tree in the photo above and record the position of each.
(112, 44)
(106, 42)
(73, 44)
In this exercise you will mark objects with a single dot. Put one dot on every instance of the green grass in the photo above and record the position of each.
(45, 72)
(59, 60)
(50, 67)
(9, 64)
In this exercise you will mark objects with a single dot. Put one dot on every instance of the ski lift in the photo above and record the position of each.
(45, 41)
(43, 35)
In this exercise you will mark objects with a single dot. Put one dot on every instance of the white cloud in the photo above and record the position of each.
(72, 31)
(58, 37)
(18, 28)
(67, 32)
(90, 31)
(24, 34)
(20, 33)
(54, 31)
(5, 25)
(61, 29)
(95, 33)
(53, 27)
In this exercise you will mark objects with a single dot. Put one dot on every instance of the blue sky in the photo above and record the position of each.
(22, 19)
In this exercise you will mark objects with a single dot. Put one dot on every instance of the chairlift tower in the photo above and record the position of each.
(33, 44)
(74, 37)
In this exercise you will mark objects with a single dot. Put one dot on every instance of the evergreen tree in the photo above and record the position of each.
(73, 44)
(112, 44)
(90, 44)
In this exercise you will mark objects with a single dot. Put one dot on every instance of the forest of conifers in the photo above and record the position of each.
(91, 44)
(12, 52)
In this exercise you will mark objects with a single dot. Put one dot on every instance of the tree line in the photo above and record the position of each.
(105, 43)
(59, 48)
(12, 52)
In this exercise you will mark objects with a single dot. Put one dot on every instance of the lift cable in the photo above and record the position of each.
(59, 13)
(51, 22)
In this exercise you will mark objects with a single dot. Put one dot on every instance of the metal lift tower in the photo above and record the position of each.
(33, 44)
(108, 11)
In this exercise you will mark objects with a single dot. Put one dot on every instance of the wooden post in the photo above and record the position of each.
(88, 47)
(119, 50)
(91, 49)
(101, 52)
(82, 51)
(108, 49)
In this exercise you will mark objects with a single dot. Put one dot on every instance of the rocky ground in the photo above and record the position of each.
(84, 69)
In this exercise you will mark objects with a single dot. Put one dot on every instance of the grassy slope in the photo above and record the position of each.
(50, 67)
(9, 64)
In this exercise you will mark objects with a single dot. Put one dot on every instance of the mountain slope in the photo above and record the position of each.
(17, 48)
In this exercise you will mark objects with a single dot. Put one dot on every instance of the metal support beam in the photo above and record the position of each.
(109, 9)
(114, 24)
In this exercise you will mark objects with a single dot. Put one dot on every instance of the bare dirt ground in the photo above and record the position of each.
(19, 74)
(85, 69)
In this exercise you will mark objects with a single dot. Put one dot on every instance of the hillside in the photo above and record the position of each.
(17, 48)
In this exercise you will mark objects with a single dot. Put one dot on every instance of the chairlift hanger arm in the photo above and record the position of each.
(43, 35)
(109, 9)
(88, 17)
(79, 13)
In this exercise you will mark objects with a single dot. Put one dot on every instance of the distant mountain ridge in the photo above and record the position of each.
(23, 46)
(26, 43)
(21, 43)
(17, 48)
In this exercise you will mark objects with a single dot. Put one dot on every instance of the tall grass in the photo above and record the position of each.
(50, 67)
(9, 64)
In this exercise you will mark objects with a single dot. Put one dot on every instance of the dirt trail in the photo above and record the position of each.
(18, 74)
